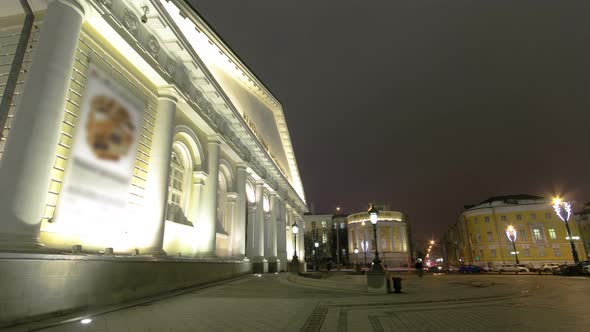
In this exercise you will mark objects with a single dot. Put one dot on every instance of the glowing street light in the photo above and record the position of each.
(356, 253)
(365, 247)
(373, 212)
(295, 230)
(316, 245)
(511, 234)
(563, 210)
(431, 242)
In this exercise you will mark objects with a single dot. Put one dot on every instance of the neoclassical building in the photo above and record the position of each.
(393, 238)
(131, 129)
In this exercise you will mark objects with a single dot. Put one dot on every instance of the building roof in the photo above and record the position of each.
(512, 199)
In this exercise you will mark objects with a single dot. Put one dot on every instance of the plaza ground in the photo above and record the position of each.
(286, 302)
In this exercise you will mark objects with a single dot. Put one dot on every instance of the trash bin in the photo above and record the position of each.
(397, 284)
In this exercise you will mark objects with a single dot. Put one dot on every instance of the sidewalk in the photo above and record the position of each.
(433, 303)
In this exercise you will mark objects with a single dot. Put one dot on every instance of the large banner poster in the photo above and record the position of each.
(95, 189)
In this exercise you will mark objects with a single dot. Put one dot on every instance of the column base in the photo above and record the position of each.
(20, 243)
(273, 264)
(283, 258)
(153, 251)
(259, 265)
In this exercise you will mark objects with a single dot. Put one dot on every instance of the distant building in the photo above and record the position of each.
(478, 237)
(392, 237)
(329, 231)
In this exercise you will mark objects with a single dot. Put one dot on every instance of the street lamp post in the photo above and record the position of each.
(511, 234)
(564, 212)
(373, 213)
(295, 229)
(315, 253)
(356, 253)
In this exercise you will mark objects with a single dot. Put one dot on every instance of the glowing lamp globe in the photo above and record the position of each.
(295, 228)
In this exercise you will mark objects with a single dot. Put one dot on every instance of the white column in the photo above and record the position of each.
(28, 158)
(289, 235)
(239, 230)
(205, 223)
(282, 234)
(251, 229)
(272, 246)
(301, 241)
(231, 207)
(259, 221)
(158, 172)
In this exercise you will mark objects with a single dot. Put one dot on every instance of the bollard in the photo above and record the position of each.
(397, 285)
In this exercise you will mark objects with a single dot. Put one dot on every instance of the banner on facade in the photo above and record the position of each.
(95, 189)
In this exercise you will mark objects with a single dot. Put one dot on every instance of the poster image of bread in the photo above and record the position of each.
(95, 188)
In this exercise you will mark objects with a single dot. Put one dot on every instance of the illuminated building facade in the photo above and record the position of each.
(330, 232)
(583, 220)
(479, 235)
(392, 237)
(133, 129)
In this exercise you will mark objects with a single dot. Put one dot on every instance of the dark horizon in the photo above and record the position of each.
(427, 106)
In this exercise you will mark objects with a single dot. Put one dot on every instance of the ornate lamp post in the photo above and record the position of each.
(564, 212)
(356, 253)
(511, 234)
(295, 229)
(373, 212)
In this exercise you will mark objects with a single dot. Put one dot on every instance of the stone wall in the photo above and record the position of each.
(35, 285)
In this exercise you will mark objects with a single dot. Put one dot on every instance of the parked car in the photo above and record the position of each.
(512, 268)
(587, 270)
(470, 269)
(436, 269)
(549, 267)
(573, 269)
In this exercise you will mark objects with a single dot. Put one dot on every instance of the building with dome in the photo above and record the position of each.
(393, 239)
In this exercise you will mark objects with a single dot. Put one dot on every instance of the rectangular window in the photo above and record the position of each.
(533, 216)
(547, 215)
(493, 252)
(313, 224)
(487, 219)
(335, 226)
(489, 234)
(556, 252)
(522, 234)
(342, 225)
(519, 217)
(480, 253)
(541, 251)
(527, 252)
(537, 234)
(324, 224)
(503, 218)
(324, 238)
(552, 234)
(477, 238)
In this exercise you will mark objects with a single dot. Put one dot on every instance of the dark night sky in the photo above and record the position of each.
(427, 105)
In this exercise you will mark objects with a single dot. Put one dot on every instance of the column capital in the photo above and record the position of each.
(214, 139)
(169, 92)
(74, 4)
(241, 166)
(200, 177)
(232, 196)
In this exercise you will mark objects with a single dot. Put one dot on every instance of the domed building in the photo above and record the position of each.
(393, 238)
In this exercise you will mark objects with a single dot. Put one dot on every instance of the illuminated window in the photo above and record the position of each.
(265, 204)
(503, 218)
(552, 234)
(176, 189)
(519, 217)
(487, 219)
(250, 193)
(335, 226)
(342, 225)
(556, 252)
(324, 238)
(537, 234)
(324, 224)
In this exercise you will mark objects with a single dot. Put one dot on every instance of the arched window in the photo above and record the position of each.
(250, 193)
(265, 204)
(177, 188)
(221, 204)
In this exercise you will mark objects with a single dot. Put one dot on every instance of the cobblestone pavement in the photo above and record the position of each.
(433, 303)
